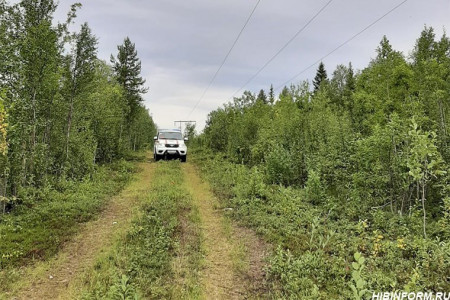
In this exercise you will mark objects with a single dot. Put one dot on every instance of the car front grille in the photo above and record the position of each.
(171, 146)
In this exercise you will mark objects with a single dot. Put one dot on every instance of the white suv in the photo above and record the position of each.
(169, 143)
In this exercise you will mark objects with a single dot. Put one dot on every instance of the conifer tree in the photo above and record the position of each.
(262, 97)
(321, 76)
(127, 67)
(271, 95)
(384, 49)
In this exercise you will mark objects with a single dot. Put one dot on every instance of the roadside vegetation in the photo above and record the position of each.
(68, 122)
(160, 258)
(347, 179)
(30, 235)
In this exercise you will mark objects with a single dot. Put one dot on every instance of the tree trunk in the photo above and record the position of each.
(33, 134)
(3, 194)
(442, 121)
(391, 176)
(69, 125)
(423, 208)
(24, 164)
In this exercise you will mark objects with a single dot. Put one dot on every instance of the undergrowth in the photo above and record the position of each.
(45, 219)
(316, 239)
(36, 229)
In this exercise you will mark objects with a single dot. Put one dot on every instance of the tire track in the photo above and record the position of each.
(223, 243)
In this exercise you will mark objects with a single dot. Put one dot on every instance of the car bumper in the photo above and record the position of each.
(171, 152)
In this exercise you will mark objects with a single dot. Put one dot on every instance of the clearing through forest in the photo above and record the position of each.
(232, 267)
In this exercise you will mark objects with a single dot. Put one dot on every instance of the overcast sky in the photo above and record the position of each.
(181, 43)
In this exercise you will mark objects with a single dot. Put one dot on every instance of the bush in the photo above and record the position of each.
(316, 236)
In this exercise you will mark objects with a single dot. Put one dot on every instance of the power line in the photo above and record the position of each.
(224, 60)
(181, 121)
(341, 45)
(284, 47)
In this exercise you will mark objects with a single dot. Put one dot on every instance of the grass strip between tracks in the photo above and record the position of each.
(161, 255)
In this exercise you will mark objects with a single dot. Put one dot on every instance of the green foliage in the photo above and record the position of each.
(291, 274)
(143, 129)
(123, 290)
(189, 131)
(358, 166)
(279, 166)
(316, 240)
(424, 162)
(314, 189)
(127, 68)
(424, 159)
(358, 283)
(66, 110)
(321, 77)
(37, 231)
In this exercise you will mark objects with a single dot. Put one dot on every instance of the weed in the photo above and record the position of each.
(358, 284)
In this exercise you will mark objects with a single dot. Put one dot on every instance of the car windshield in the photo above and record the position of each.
(171, 135)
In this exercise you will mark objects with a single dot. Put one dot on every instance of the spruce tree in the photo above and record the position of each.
(321, 76)
(127, 67)
(350, 78)
(262, 97)
(271, 95)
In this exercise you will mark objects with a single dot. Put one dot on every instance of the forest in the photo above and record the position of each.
(63, 111)
(342, 181)
(67, 121)
(348, 177)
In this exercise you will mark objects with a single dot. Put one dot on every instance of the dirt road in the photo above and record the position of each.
(234, 255)
(232, 267)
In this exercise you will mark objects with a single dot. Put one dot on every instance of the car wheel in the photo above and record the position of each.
(183, 158)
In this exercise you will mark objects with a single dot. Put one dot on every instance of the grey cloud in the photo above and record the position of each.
(182, 43)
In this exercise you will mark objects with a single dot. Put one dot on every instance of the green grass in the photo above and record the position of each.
(36, 231)
(161, 256)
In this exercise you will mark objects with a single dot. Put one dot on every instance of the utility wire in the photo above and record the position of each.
(340, 46)
(224, 60)
(284, 47)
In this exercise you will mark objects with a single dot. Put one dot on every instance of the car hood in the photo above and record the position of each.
(171, 142)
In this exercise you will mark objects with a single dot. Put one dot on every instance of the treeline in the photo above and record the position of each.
(62, 109)
(348, 178)
(376, 139)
